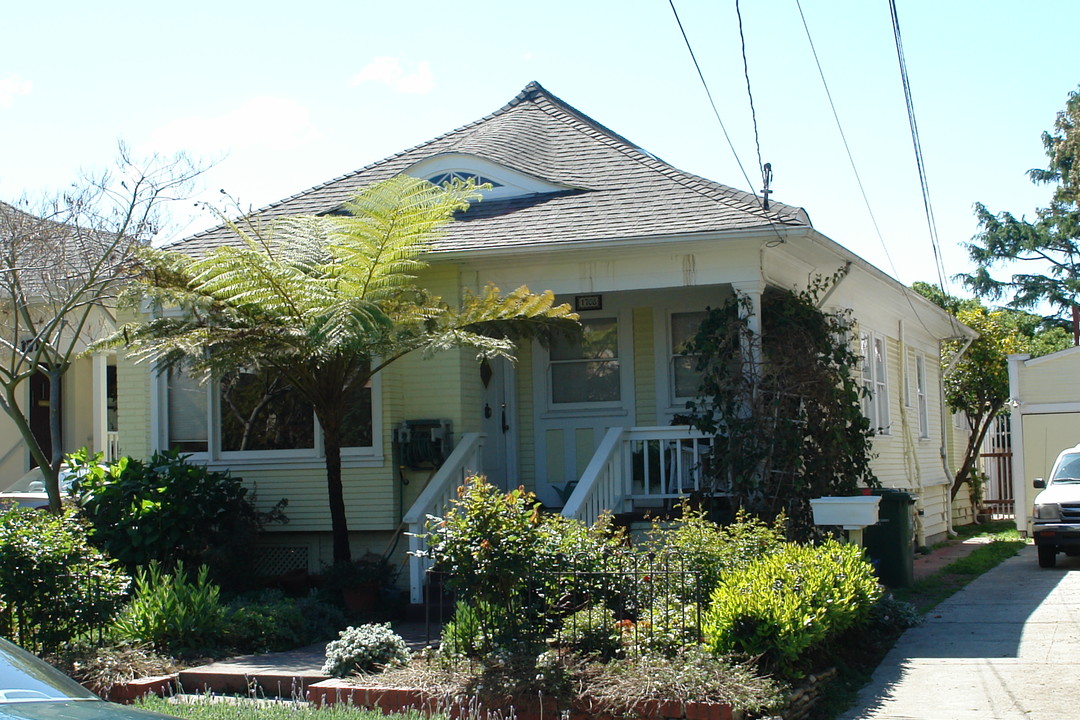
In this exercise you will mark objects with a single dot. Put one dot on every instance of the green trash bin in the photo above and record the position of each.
(890, 544)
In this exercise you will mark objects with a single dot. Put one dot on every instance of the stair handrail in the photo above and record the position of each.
(464, 461)
(599, 483)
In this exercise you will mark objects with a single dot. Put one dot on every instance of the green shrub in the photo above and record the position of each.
(499, 551)
(695, 544)
(365, 649)
(665, 628)
(463, 635)
(592, 632)
(322, 619)
(267, 622)
(169, 510)
(54, 585)
(173, 613)
(791, 601)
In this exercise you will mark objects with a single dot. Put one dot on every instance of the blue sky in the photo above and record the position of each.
(283, 96)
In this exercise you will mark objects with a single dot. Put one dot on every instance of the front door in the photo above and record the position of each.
(39, 414)
(500, 461)
(582, 387)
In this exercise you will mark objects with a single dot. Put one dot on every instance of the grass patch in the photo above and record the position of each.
(1003, 542)
(216, 708)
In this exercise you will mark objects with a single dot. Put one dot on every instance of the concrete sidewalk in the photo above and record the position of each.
(1006, 646)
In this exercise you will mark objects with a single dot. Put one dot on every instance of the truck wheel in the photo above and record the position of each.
(1047, 556)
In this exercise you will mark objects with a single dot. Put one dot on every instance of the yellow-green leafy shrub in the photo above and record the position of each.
(790, 602)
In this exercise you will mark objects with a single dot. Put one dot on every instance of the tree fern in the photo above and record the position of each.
(326, 302)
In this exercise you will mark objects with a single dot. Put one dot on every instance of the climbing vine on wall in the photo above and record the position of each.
(785, 407)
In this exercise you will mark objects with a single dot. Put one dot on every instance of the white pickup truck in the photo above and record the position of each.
(1055, 521)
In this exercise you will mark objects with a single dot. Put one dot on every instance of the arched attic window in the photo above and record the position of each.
(505, 183)
(448, 177)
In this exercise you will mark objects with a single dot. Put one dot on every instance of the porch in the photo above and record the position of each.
(634, 469)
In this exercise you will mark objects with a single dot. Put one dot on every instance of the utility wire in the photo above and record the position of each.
(716, 112)
(712, 102)
(750, 96)
(851, 161)
(919, 162)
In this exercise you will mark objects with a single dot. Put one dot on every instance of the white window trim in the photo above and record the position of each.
(622, 406)
(922, 400)
(879, 386)
(313, 457)
(677, 402)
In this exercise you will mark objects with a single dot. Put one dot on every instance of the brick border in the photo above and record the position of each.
(333, 691)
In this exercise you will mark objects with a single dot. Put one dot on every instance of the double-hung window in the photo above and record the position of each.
(875, 378)
(920, 395)
(685, 377)
(586, 368)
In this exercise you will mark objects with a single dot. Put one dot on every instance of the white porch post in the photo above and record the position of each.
(752, 315)
(99, 403)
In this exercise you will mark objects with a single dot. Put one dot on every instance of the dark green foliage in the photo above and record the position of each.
(54, 586)
(591, 632)
(170, 511)
(174, 613)
(791, 602)
(785, 408)
(268, 622)
(1049, 244)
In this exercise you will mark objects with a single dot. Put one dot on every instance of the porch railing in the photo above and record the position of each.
(112, 446)
(639, 466)
(465, 460)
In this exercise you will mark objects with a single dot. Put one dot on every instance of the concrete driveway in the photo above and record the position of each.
(1006, 646)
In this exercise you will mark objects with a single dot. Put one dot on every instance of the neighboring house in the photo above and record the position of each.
(640, 249)
(1044, 397)
(35, 255)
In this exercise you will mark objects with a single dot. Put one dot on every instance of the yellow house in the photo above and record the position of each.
(640, 249)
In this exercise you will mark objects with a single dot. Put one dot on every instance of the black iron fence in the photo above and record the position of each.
(601, 607)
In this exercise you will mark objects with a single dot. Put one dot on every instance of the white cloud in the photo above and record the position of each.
(11, 87)
(389, 72)
(261, 122)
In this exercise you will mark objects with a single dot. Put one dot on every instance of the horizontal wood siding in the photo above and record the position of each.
(526, 422)
(1054, 379)
(134, 384)
(644, 367)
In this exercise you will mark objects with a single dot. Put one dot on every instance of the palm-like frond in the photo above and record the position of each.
(379, 244)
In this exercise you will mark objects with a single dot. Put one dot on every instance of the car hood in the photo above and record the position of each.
(75, 710)
(1064, 493)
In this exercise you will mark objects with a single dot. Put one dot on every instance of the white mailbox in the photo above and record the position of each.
(851, 513)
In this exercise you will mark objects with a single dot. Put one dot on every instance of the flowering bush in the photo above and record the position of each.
(365, 649)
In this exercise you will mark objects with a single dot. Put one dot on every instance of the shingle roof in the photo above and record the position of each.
(619, 190)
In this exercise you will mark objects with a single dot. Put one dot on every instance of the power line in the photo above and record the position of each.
(919, 162)
(712, 102)
(750, 96)
(766, 172)
(851, 161)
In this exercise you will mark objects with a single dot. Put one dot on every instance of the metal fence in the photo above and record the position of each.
(595, 606)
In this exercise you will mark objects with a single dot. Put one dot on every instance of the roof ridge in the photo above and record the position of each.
(529, 91)
(751, 201)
